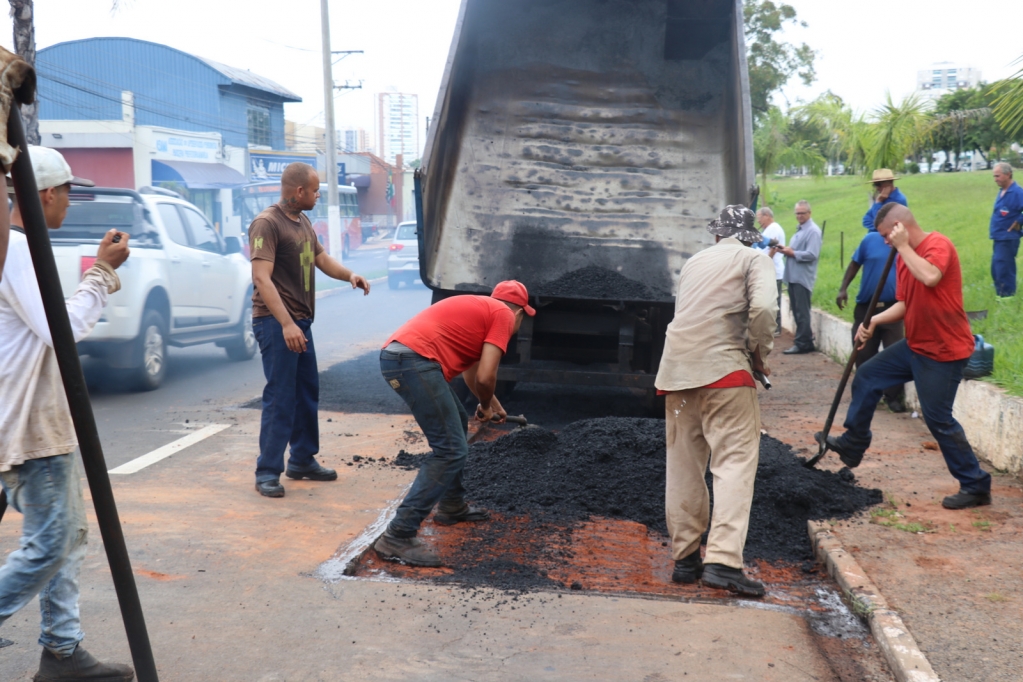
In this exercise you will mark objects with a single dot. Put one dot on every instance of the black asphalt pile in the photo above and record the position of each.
(596, 282)
(614, 468)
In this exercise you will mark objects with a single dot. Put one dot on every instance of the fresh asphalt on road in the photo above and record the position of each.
(132, 424)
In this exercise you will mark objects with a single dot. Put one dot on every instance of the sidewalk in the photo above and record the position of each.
(953, 575)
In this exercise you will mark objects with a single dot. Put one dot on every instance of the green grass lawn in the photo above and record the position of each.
(958, 205)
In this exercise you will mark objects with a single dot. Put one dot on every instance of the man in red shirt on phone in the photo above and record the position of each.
(938, 344)
(461, 335)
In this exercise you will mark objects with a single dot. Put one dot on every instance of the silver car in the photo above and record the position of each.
(403, 256)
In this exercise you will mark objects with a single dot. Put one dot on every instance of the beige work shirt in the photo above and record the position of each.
(725, 306)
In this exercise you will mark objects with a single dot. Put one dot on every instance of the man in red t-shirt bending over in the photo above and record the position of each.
(938, 344)
(464, 335)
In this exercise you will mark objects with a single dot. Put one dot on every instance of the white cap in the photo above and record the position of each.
(51, 170)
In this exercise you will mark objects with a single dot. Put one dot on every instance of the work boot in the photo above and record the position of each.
(80, 666)
(965, 500)
(688, 569)
(271, 488)
(731, 579)
(315, 472)
(845, 453)
(446, 517)
(411, 551)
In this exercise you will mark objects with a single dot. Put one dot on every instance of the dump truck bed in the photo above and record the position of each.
(581, 146)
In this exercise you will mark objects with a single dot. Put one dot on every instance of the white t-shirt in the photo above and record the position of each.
(34, 416)
(775, 231)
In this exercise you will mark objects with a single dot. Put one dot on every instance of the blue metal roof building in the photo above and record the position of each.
(84, 79)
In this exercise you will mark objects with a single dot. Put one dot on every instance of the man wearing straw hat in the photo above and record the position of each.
(885, 192)
(722, 332)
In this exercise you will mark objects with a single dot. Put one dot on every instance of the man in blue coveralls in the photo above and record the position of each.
(871, 255)
(1005, 231)
(885, 192)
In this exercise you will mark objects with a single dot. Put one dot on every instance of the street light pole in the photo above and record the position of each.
(333, 206)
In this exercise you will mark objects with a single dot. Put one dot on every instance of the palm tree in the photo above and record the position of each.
(1008, 105)
(775, 147)
(23, 19)
(847, 130)
(896, 132)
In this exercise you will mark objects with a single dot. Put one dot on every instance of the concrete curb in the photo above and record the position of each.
(904, 657)
(340, 290)
(992, 419)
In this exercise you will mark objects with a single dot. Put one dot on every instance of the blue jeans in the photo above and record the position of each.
(936, 386)
(1003, 266)
(444, 421)
(48, 492)
(290, 401)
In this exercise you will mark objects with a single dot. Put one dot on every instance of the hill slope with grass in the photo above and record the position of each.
(956, 204)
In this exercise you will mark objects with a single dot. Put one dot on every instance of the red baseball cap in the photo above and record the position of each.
(512, 291)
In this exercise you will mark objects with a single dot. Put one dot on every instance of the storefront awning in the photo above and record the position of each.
(360, 180)
(196, 175)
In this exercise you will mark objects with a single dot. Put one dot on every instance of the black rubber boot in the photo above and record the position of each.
(447, 517)
(845, 453)
(731, 579)
(80, 666)
(964, 500)
(317, 472)
(411, 551)
(270, 488)
(688, 569)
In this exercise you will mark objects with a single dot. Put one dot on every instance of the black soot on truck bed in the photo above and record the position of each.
(597, 282)
(614, 467)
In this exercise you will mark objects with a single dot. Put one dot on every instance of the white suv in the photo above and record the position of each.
(403, 256)
(183, 284)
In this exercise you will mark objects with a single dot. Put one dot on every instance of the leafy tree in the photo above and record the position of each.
(771, 62)
(963, 121)
(776, 146)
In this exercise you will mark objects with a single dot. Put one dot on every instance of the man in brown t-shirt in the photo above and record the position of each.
(285, 255)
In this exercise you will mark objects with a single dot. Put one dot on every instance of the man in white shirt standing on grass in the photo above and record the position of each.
(38, 467)
(774, 236)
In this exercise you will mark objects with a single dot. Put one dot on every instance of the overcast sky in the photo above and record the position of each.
(864, 47)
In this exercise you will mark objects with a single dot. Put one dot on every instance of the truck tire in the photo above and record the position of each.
(393, 281)
(151, 346)
(244, 347)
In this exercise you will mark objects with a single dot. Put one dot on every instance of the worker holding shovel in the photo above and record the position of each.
(464, 335)
(722, 332)
(937, 346)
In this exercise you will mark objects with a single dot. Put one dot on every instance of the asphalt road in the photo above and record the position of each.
(202, 385)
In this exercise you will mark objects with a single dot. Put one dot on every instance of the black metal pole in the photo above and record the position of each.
(78, 400)
(823, 443)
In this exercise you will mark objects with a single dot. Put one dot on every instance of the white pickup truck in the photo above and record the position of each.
(183, 284)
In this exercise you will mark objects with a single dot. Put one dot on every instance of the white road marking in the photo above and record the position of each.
(140, 463)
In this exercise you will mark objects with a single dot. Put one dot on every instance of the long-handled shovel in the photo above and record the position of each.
(849, 365)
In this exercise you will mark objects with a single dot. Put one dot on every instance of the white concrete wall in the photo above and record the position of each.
(992, 419)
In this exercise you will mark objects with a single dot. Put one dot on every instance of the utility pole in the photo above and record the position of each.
(333, 206)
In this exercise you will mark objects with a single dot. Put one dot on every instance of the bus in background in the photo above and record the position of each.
(253, 199)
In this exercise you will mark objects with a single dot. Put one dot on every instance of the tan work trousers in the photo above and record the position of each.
(722, 426)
